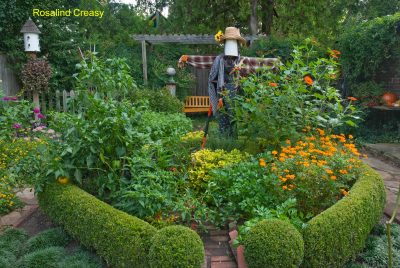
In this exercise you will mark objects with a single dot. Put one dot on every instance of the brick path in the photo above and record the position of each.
(218, 253)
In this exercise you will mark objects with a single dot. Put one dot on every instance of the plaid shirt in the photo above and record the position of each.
(246, 65)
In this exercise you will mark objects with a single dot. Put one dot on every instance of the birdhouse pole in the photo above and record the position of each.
(32, 46)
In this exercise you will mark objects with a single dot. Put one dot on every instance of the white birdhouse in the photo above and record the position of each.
(31, 36)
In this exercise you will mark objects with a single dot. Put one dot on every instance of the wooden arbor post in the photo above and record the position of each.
(144, 62)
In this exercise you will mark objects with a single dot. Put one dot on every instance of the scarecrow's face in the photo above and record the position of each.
(231, 48)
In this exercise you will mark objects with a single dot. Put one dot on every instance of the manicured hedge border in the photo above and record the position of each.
(121, 239)
(333, 237)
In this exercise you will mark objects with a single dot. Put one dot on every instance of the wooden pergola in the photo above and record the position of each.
(189, 39)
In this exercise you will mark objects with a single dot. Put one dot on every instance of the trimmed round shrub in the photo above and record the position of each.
(48, 257)
(49, 238)
(176, 246)
(273, 243)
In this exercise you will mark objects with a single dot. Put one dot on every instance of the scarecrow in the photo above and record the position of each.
(224, 69)
(221, 83)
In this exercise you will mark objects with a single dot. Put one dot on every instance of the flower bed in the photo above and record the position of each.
(334, 236)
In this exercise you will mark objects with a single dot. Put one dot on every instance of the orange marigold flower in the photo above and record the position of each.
(273, 84)
(184, 58)
(336, 52)
(286, 170)
(274, 152)
(284, 187)
(344, 192)
(351, 136)
(308, 80)
(288, 141)
(329, 171)
(262, 162)
(333, 177)
(281, 159)
(351, 98)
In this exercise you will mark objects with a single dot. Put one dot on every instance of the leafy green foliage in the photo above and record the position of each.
(375, 253)
(276, 106)
(352, 217)
(366, 47)
(286, 212)
(53, 237)
(176, 246)
(157, 100)
(36, 74)
(110, 77)
(47, 257)
(80, 259)
(236, 191)
(11, 113)
(12, 239)
(273, 243)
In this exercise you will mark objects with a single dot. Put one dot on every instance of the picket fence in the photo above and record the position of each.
(57, 101)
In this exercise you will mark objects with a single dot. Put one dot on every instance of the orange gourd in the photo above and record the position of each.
(389, 98)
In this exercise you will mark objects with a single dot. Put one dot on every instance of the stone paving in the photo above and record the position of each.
(391, 177)
(18, 216)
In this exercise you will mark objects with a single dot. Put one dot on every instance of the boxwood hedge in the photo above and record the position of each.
(121, 239)
(331, 238)
(273, 243)
(336, 235)
(176, 246)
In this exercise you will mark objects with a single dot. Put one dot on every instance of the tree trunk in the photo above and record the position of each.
(267, 7)
(253, 17)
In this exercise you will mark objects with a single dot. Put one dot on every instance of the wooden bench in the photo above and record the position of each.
(196, 104)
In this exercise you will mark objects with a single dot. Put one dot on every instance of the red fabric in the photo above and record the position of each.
(248, 64)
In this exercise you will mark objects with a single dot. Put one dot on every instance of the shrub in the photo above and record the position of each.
(55, 237)
(36, 74)
(157, 100)
(176, 246)
(205, 160)
(273, 243)
(122, 240)
(48, 257)
(338, 233)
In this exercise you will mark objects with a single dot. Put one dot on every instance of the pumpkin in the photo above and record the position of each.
(389, 98)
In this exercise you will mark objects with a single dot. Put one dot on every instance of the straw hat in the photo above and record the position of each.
(233, 33)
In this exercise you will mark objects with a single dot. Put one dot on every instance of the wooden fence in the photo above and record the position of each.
(57, 101)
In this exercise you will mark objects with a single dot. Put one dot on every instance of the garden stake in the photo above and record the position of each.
(209, 115)
(388, 225)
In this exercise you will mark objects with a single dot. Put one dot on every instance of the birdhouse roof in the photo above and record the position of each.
(30, 27)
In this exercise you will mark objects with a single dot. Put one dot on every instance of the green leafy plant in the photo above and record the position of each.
(205, 160)
(278, 104)
(286, 212)
(110, 77)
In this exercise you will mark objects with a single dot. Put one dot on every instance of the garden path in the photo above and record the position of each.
(217, 249)
(391, 176)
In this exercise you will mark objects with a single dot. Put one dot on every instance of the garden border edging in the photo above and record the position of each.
(121, 239)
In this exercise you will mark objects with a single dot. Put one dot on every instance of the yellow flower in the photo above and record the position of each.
(262, 162)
